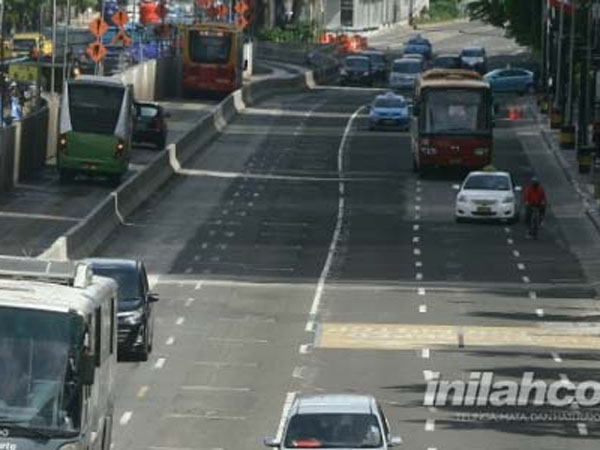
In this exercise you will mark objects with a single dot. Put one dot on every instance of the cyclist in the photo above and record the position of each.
(535, 197)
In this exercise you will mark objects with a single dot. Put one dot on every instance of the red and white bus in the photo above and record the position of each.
(453, 120)
(213, 58)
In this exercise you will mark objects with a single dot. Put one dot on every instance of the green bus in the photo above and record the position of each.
(96, 126)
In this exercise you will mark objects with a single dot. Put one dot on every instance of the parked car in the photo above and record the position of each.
(487, 194)
(446, 62)
(474, 58)
(347, 421)
(511, 80)
(356, 70)
(379, 64)
(389, 110)
(151, 124)
(135, 303)
(405, 72)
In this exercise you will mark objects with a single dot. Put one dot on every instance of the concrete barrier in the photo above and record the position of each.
(88, 235)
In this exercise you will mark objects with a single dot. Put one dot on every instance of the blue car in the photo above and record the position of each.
(389, 110)
(424, 44)
(511, 80)
(419, 49)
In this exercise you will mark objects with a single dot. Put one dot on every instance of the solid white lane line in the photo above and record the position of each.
(314, 308)
(170, 340)
(425, 353)
(526, 279)
(532, 295)
(430, 425)
(160, 363)
(521, 266)
(516, 253)
(179, 321)
(421, 291)
(126, 417)
(539, 312)
(287, 404)
(556, 357)
(422, 309)
(582, 429)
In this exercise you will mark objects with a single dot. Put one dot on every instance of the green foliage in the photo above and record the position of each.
(521, 19)
(440, 10)
(300, 33)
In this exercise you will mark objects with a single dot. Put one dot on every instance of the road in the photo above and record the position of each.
(300, 254)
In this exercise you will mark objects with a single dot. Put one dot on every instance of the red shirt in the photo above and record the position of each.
(535, 196)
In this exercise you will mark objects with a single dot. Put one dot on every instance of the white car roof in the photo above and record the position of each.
(491, 172)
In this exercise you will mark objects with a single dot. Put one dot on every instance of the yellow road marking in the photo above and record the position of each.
(410, 337)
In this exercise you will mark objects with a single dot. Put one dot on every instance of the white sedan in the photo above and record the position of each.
(487, 195)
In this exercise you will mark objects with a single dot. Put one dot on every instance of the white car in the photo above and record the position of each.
(345, 421)
(487, 195)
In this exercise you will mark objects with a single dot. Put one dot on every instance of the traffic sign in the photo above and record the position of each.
(96, 51)
(204, 4)
(241, 22)
(120, 18)
(222, 11)
(122, 38)
(98, 27)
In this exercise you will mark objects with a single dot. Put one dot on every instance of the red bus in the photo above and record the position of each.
(453, 120)
(213, 58)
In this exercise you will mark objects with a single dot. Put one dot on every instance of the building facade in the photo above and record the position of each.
(369, 14)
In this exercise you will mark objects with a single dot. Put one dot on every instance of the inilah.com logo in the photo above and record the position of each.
(482, 389)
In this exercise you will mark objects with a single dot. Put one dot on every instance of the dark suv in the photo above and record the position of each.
(379, 64)
(356, 70)
(135, 303)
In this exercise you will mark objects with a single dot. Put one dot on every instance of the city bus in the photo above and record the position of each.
(213, 58)
(452, 122)
(58, 355)
(96, 125)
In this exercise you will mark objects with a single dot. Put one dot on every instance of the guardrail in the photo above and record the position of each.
(84, 238)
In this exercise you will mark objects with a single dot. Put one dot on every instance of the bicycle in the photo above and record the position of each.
(535, 219)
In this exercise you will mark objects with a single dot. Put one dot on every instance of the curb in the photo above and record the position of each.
(92, 231)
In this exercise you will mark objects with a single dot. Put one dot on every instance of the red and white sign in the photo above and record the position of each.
(568, 5)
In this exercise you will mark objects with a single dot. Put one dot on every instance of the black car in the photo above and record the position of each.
(150, 124)
(379, 64)
(135, 303)
(446, 62)
(356, 70)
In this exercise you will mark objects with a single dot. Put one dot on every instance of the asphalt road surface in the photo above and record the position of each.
(300, 254)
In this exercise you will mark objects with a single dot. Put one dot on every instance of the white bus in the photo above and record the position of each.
(57, 356)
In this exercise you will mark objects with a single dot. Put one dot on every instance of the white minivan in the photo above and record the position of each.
(405, 72)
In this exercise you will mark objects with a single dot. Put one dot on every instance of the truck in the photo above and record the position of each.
(58, 349)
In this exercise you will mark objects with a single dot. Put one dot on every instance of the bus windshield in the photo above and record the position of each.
(95, 108)
(39, 388)
(209, 48)
(24, 45)
(454, 111)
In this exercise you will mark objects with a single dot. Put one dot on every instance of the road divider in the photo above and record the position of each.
(87, 236)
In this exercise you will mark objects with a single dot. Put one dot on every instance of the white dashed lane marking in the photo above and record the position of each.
(421, 291)
(170, 340)
(126, 417)
(556, 357)
(539, 312)
(532, 295)
(425, 353)
(526, 279)
(160, 363)
(582, 429)
(422, 309)
(430, 425)
(180, 321)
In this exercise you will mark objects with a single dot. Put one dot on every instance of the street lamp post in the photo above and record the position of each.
(571, 69)
(52, 75)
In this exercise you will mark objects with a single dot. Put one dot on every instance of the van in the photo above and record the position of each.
(405, 72)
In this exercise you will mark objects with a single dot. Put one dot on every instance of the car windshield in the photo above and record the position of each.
(129, 287)
(389, 103)
(38, 356)
(454, 111)
(472, 52)
(208, 48)
(487, 183)
(407, 67)
(333, 431)
(357, 63)
(95, 108)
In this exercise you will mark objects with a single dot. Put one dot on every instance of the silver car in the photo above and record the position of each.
(405, 72)
(344, 421)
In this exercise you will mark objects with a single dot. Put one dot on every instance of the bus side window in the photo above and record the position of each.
(98, 335)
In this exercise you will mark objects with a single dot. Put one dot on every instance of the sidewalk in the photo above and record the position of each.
(567, 160)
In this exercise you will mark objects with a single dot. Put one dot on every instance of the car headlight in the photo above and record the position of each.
(462, 199)
(132, 317)
(429, 150)
(481, 151)
(508, 199)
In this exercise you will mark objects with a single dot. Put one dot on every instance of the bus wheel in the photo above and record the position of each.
(65, 175)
